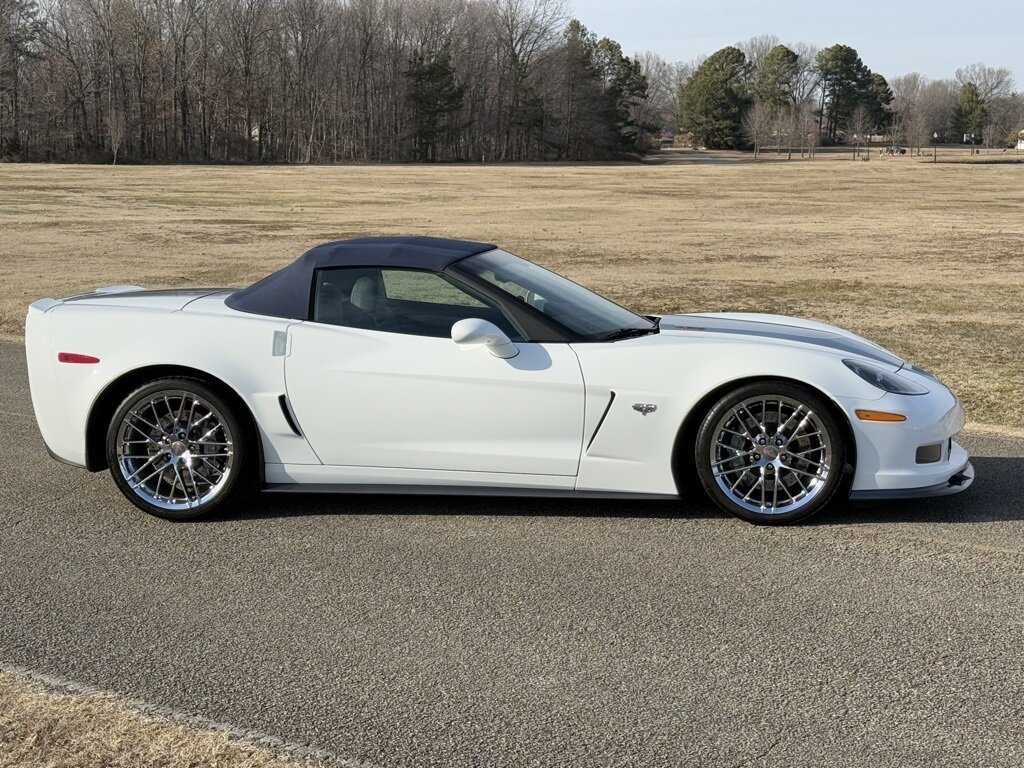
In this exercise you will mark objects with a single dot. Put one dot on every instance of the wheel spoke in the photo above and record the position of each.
(727, 471)
(159, 429)
(800, 454)
(211, 466)
(754, 419)
(195, 486)
(141, 467)
(813, 463)
(760, 482)
(148, 478)
(184, 490)
(805, 474)
(733, 458)
(743, 426)
(803, 488)
(200, 420)
(783, 426)
(745, 437)
(212, 430)
(149, 438)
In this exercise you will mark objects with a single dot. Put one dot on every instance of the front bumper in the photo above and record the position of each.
(959, 482)
(886, 460)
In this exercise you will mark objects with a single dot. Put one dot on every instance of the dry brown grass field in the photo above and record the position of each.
(925, 259)
(41, 728)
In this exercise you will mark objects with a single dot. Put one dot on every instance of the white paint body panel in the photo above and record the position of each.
(378, 408)
(366, 398)
(201, 334)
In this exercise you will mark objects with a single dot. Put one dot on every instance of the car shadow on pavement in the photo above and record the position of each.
(994, 496)
(271, 505)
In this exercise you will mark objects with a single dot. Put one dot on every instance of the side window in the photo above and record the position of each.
(427, 287)
(400, 301)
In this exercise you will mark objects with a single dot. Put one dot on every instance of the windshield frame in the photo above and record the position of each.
(548, 328)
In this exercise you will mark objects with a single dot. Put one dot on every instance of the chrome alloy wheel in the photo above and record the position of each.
(771, 454)
(174, 449)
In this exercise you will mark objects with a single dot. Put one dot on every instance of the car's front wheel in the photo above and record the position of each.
(176, 449)
(771, 452)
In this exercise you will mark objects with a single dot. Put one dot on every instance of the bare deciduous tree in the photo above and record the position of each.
(860, 126)
(757, 121)
(116, 126)
(757, 48)
(990, 81)
(909, 124)
(659, 107)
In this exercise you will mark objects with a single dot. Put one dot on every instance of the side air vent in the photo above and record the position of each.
(600, 422)
(283, 400)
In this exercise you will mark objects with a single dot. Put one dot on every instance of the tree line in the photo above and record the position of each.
(797, 97)
(430, 80)
(312, 81)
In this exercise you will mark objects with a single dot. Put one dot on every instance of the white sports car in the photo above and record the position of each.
(423, 365)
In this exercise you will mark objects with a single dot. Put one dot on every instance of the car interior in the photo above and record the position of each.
(399, 301)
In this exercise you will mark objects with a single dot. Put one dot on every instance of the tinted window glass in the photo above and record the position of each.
(400, 301)
(583, 312)
(429, 287)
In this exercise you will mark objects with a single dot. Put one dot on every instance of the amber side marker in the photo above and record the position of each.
(880, 416)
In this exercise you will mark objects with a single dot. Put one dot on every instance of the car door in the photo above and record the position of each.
(375, 380)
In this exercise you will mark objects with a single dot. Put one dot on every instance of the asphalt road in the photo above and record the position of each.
(475, 632)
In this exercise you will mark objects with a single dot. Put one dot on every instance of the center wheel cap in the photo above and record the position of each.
(178, 448)
(770, 452)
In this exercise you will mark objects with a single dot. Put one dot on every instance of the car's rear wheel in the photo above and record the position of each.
(771, 452)
(176, 448)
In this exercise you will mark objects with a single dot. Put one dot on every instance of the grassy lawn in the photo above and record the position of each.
(925, 259)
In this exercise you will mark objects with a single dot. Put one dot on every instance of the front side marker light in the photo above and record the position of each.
(865, 415)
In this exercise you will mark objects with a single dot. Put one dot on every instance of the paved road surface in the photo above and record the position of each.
(472, 632)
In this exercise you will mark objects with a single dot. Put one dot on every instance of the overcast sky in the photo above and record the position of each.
(892, 37)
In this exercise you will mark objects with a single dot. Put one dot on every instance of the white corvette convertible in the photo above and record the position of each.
(423, 365)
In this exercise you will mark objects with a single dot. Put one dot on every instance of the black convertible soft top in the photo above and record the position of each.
(286, 293)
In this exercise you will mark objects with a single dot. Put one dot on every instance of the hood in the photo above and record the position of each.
(135, 297)
(780, 328)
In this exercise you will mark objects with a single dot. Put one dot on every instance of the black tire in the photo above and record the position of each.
(729, 450)
(160, 435)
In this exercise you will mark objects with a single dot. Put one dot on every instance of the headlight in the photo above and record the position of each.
(885, 380)
(921, 371)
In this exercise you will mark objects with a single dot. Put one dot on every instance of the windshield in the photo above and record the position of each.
(572, 306)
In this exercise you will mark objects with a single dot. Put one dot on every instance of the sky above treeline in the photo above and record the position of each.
(893, 37)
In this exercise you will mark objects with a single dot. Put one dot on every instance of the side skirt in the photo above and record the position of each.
(458, 490)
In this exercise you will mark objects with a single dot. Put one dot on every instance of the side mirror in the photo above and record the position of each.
(472, 331)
